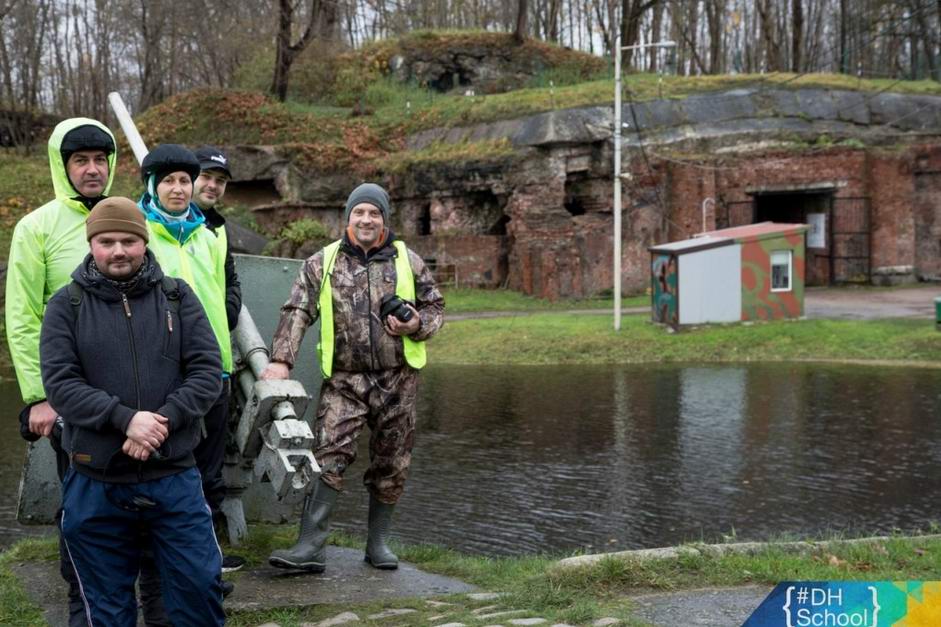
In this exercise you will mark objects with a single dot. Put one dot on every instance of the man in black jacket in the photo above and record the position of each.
(130, 362)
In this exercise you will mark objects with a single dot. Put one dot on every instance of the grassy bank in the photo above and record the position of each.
(15, 606)
(334, 139)
(469, 300)
(559, 338)
(532, 586)
(537, 331)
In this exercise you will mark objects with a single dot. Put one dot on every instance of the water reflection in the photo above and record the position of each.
(555, 459)
(534, 459)
(12, 454)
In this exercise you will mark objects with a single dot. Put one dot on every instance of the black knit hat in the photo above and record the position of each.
(85, 137)
(167, 158)
(211, 158)
(368, 193)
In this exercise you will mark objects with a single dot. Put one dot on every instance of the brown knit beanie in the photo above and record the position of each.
(116, 214)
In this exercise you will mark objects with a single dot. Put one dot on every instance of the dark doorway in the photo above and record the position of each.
(812, 207)
(499, 227)
(424, 220)
(252, 193)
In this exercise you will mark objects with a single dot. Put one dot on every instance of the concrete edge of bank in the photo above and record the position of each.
(720, 550)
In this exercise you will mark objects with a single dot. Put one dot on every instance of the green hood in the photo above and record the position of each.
(60, 179)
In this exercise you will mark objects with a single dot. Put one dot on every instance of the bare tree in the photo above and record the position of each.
(656, 23)
(321, 20)
(715, 14)
(632, 11)
(770, 34)
(522, 16)
(797, 31)
(22, 42)
(63, 56)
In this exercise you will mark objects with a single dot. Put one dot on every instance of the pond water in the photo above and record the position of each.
(553, 459)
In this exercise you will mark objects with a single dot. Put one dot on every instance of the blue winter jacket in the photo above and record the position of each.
(115, 354)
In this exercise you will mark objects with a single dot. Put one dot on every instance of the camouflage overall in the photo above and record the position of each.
(371, 383)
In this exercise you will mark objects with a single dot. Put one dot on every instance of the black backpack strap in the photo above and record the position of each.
(76, 293)
(172, 291)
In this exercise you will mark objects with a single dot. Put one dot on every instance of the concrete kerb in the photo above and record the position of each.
(719, 550)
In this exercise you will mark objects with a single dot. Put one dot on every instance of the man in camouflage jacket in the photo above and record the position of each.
(370, 364)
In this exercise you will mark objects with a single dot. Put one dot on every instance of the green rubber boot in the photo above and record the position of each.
(310, 553)
(378, 553)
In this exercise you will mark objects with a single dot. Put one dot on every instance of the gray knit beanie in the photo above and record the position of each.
(372, 194)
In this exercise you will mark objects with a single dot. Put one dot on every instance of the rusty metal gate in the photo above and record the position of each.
(850, 233)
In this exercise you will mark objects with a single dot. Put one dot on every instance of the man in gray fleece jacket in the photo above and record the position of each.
(130, 362)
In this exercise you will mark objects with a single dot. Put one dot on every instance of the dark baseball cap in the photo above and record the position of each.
(211, 158)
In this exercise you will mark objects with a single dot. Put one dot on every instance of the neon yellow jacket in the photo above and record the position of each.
(48, 244)
(200, 261)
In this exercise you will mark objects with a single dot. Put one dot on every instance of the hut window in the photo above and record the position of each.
(781, 271)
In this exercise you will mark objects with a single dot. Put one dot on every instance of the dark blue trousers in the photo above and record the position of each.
(101, 525)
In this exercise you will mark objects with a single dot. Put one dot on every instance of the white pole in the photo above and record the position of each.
(705, 204)
(617, 183)
(617, 166)
(127, 125)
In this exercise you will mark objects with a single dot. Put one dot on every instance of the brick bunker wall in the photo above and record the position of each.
(544, 225)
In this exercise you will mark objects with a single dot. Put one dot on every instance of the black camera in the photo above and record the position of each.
(392, 305)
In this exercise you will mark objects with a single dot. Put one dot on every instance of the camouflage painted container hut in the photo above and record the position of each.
(753, 272)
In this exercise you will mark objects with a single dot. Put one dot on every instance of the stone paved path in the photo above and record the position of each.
(426, 599)
(348, 580)
(709, 607)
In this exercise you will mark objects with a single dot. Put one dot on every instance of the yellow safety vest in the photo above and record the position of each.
(404, 289)
(201, 263)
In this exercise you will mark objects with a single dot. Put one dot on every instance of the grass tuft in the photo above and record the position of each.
(562, 338)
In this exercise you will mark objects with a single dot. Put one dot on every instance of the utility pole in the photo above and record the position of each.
(617, 166)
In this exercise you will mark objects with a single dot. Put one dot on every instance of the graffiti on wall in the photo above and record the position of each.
(663, 289)
(758, 301)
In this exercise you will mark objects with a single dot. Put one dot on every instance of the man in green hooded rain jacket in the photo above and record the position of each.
(47, 245)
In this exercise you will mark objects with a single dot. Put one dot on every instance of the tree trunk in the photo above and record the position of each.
(715, 12)
(603, 26)
(844, 61)
(283, 57)
(797, 32)
(152, 72)
(522, 17)
(632, 12)
(769, 35)
(927, 41)
(321, 22)
(553, 27)
(655, 26)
